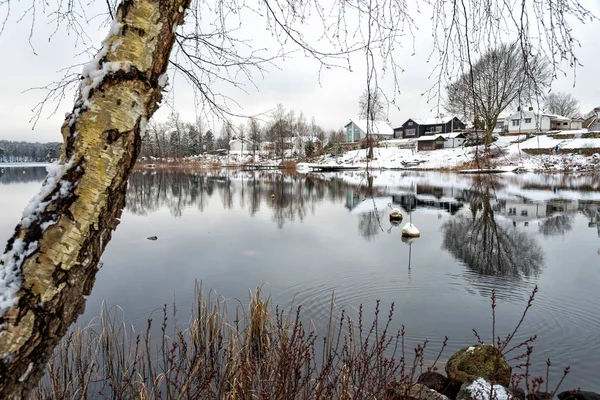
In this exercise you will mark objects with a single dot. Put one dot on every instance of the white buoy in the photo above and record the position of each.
(411, 231)
(395, 214)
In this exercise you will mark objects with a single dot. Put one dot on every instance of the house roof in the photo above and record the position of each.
(432, 120)
(428, 138)
(553, 117)
(245, 140)
(452, 135)
(378, 127)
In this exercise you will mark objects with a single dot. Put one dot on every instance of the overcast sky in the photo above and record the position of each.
(295, 83)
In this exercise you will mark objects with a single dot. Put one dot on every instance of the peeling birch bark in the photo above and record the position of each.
(54, 253)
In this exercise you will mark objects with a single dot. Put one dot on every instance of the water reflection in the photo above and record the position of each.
(21, 174)
(289, 197)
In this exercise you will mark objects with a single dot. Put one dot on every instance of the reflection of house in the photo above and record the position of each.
(356, 130)
(414, 127)
(519, 211)
(593, 213)
(430, 142)
(410, 202)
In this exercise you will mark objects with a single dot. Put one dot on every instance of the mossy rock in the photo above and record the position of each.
(485, 361)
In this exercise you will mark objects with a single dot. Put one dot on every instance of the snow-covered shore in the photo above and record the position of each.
(507, 151)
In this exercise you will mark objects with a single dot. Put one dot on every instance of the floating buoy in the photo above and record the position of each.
(407, 240)
(272, 197)
(410, 231)
(152, 238)
(395, 214)
(395, 222)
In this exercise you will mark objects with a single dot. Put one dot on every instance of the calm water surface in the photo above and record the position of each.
(330, 233)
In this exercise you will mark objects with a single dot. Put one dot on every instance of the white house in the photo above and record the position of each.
(299, 143)
(529, 121)
(356, 130)
(454, 139)
(241, 146)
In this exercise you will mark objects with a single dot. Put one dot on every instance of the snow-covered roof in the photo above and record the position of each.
(452, 135)
(432, 120)
(556, 117)
(245, 140)
(377, 127)
(427, 138)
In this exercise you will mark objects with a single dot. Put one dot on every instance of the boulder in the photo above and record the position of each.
(439, 383)
(517, 393)
(578, 395)
(405, 391)
(539, 396)
(485, 361)
(433, 380)
(481, 389)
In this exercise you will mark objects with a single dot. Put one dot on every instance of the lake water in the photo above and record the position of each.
(330, 233)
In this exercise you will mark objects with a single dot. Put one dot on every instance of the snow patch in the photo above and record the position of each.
(481, 389)
(163, 80)
(11, 261)
(143, 125)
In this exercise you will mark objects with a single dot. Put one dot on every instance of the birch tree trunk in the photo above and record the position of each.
(51, 261)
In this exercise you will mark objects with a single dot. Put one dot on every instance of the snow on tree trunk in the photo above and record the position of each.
(51, 261)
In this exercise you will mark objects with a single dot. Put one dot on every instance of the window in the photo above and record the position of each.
(438, 128)
(410, 123)
(527, 120)
(410, 132)
(515, 122)
(523, 213)
(512, 211)
(565, 123)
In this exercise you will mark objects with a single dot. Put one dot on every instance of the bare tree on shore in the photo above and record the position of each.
(562, 103)
(498, 80)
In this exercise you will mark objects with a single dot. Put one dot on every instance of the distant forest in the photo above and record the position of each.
(28, 152)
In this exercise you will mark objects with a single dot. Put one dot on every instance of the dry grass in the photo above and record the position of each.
(256, 353)
(259, 353)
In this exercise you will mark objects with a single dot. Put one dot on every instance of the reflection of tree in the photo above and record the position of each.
(557, 225)
(488, 247)
(22, 174)
(179, 189)
(369, 225)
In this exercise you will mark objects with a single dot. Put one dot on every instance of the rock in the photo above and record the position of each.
(439, 383)
(152, 238)
(578, 395)
(485, 361)
(517, 393)
(539, 396)
(481, 389)
(409, 230)
(404, 391)
(433, 380)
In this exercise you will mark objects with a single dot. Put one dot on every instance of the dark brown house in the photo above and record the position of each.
(430, 142)
(415, 128)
